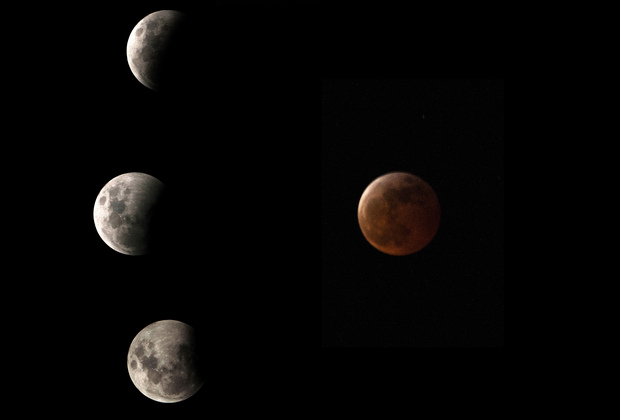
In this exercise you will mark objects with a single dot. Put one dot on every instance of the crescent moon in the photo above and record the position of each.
(148, 44)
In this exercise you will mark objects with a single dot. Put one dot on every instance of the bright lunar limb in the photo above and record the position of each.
(127, 213)
(164, 361)
(399, 213)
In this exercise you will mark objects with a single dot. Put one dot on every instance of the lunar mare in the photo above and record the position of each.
(125, 210)
(163, 361)
(399, 213)
(149, 45)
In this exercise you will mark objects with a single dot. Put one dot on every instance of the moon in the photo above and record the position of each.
(163, 361)
(153, 49)
(399, 213)
(126, 212)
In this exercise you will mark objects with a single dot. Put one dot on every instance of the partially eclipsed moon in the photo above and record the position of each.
(126, 212)
(163, 361)
(399, 213)
(151, 48)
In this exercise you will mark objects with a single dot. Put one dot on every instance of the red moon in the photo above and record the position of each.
(399, 213)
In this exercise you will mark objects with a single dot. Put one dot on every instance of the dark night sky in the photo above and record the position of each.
(450, 133)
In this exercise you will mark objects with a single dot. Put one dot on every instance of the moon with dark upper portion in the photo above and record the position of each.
(399, 213)
(156, 49)
(164, 361)
(127, 213)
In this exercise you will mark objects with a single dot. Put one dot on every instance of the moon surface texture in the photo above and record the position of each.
(163, 361)
(156, 48)
(127, 213)
(399, 213)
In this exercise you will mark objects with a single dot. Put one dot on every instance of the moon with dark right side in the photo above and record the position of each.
(128, 213)
(157, 49)
(399, 213)
(164, 361)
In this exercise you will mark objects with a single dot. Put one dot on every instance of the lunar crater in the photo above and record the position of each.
(117, 206)
(114, 191)
(114, 220)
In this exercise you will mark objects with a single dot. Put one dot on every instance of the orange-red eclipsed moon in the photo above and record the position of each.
(399, 213)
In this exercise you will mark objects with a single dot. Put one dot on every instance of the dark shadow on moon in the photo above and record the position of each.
(159, 223)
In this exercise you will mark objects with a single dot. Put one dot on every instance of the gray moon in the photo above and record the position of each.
(125, 211)
(149, 46)
(399, 213)
(163, 361)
